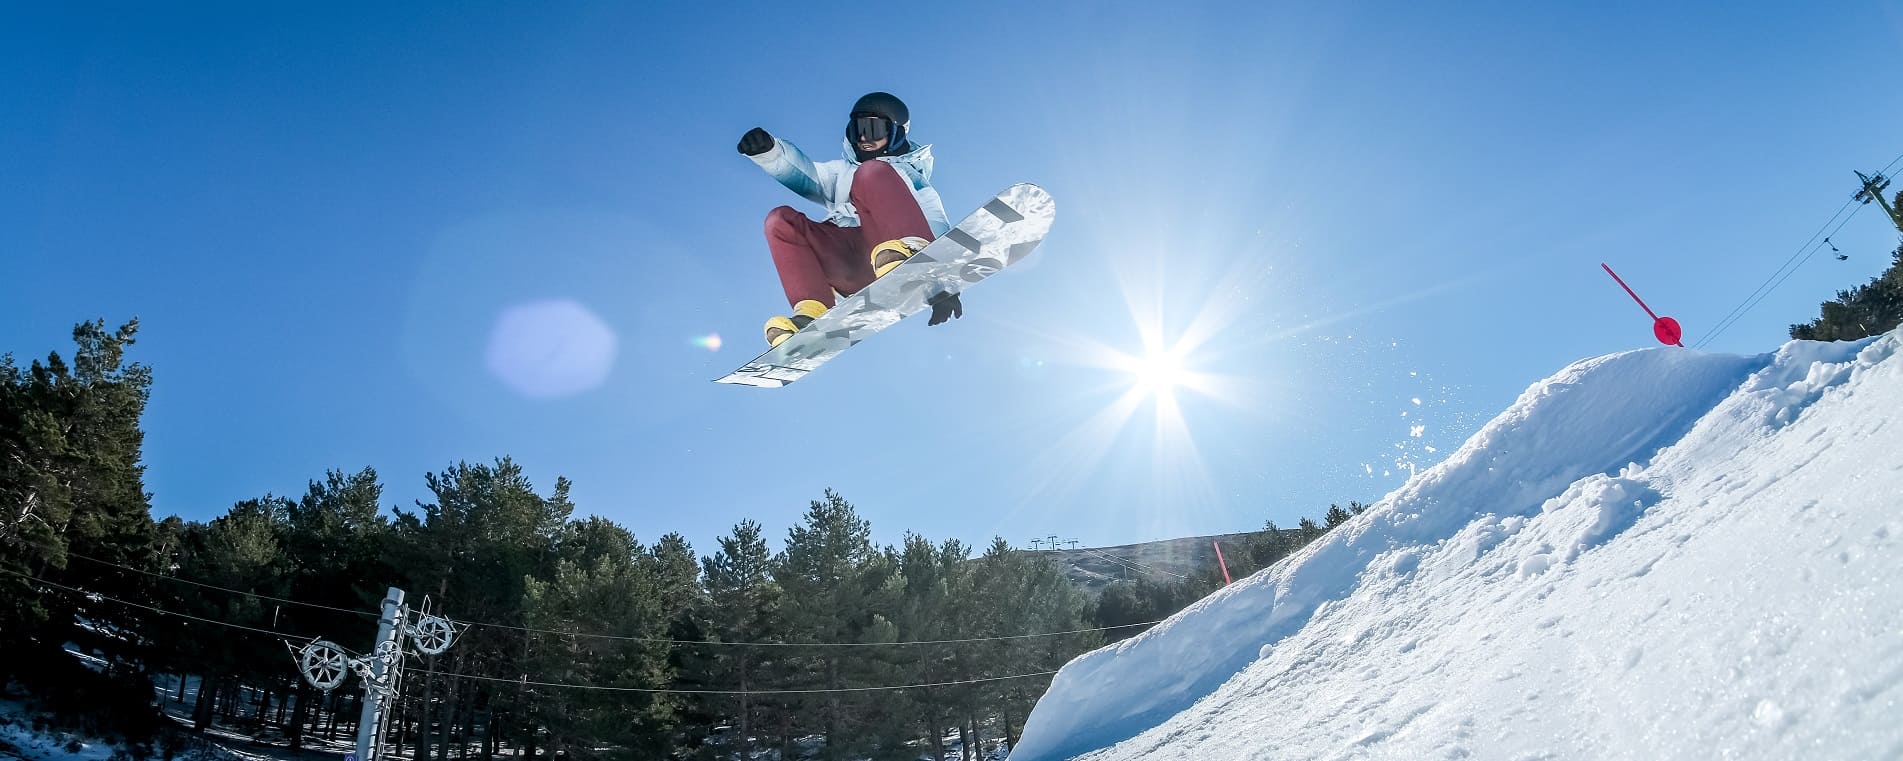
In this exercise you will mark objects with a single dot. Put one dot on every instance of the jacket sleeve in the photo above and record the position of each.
(786, 163)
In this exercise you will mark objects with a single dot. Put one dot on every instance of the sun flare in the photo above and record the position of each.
(1157, 372)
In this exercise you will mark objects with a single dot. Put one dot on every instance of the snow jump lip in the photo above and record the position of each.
(1591, 418)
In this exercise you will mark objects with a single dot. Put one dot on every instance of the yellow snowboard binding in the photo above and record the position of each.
(893, 253)
(779, 329)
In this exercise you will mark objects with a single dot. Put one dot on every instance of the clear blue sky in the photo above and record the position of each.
(322, 214)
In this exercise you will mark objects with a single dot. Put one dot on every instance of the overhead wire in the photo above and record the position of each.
(814, 691)
(160, 611)
(204, 585)
(1135, 565)
(1780, 275)
(911, 643)
(653, 640)
(540, 683)
(1780, 281)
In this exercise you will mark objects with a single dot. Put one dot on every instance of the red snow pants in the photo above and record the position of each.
(817, 258)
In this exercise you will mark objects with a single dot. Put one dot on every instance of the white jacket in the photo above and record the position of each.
(829, 183)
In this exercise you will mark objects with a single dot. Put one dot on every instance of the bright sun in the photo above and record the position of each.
(1158, 372)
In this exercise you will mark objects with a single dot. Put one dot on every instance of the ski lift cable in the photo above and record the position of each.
(666, 691)
(284, 636)
(665, 641)
(1764, 288)
(1118, 559)
(1778, 279)
(1120, 562)
(1136, 565)
(657, 640)
(1793, 271)
(160, 611)
(1771, 283)
(222, 589)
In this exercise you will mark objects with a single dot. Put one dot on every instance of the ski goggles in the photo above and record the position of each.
(869, 128)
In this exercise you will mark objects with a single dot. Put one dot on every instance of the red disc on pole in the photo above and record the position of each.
(1668, 331)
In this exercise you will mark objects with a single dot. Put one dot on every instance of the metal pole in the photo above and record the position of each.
(377, 690)
(1874, 186)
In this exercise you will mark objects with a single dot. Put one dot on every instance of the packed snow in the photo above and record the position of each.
(1655, 554)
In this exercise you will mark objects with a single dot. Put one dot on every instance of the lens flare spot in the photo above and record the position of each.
(710, 342)
(550, 349)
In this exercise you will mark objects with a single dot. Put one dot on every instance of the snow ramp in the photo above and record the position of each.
(1654, 554)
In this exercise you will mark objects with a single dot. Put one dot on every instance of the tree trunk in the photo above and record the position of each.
(264, 707)
(294, 731)
(1010, 735)
(448, 720)
(201, 708)
(489, 733)
(964, 741)
(746, 712)
(423, 734)
(400, 720)
(330, 725)
(977, 737)
(934, 728)
(181, 688)
(832, 709)
(466, 720)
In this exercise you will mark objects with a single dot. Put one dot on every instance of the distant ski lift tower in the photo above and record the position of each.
(1872, 190)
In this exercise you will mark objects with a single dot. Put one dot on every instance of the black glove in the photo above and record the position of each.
(756, 142)
(945, 306)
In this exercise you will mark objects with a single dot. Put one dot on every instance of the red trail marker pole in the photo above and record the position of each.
(1665, 329)
(1219, 561)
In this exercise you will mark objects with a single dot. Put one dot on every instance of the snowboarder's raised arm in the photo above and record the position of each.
(788, 164)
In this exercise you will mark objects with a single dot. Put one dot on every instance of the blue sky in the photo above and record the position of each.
(321, 215)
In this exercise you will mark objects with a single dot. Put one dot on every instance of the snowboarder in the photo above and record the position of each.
(880, 209)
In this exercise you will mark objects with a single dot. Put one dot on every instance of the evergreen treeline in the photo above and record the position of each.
(741, 651)
(1150, 598)
(1871, 309)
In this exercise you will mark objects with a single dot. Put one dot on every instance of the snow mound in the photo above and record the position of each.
(1654, 554)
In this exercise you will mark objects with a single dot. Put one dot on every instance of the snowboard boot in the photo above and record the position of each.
(779, 329)
(893, 253)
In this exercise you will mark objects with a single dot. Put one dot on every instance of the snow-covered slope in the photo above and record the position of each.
(1656, 554)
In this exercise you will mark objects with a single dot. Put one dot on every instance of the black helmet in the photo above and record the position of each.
(877, 115)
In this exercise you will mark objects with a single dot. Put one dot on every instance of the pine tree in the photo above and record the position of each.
(827, 573)
(1022, 593)
(334, 542)
(609, 588)
(1308, 531)
(1866, 310)
(744, 606)
(71, 482)
(933, 581)
(683, 607)
(469, 553)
